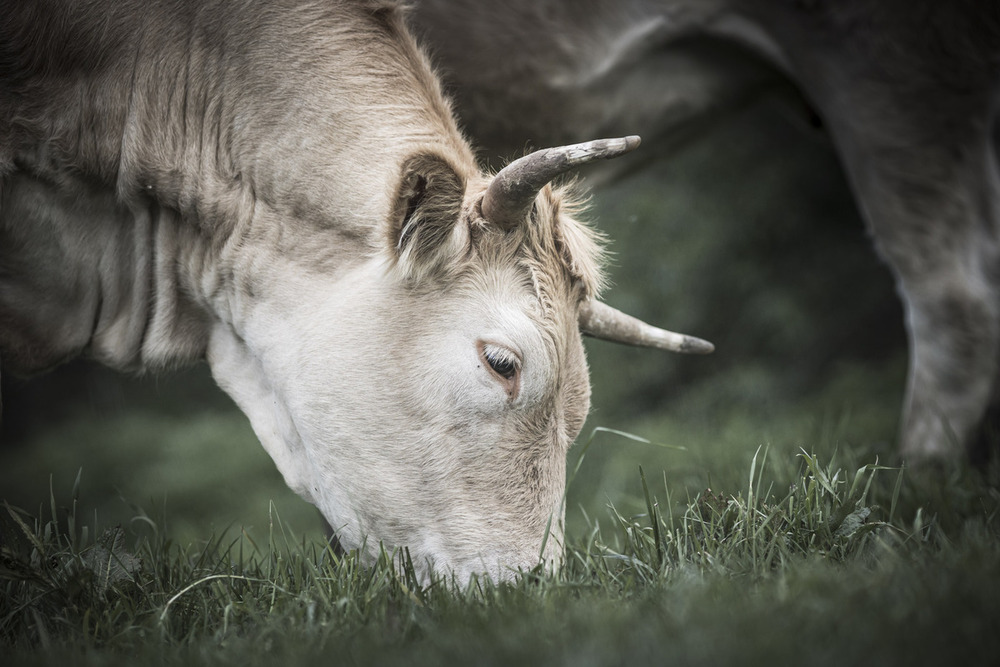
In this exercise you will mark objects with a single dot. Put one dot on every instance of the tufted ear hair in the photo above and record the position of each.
(424, 230)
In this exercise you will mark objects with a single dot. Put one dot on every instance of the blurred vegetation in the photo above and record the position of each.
(174, 444)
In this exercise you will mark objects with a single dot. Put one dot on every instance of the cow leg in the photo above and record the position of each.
(927, 182)
(953, 325)
(911, 111)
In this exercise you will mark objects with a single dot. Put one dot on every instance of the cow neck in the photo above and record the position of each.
(96, 277)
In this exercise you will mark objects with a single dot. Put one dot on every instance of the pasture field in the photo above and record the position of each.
(745, 508)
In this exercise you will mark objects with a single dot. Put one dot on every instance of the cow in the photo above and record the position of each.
(279, 187)
(907, 92)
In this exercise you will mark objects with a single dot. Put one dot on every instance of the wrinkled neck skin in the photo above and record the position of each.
(80, 273)
(158, 209)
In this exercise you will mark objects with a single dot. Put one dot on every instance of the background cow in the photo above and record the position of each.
(281, 189)
(907, 92)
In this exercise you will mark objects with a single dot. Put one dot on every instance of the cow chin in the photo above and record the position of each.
(499, 567)
(462, 558)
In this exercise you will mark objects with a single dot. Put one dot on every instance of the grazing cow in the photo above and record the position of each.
(907, 91)
(279, 187)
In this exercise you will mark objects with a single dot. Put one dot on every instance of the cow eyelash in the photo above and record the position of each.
(503, 361)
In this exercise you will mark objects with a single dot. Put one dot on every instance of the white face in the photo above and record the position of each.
(439, 421)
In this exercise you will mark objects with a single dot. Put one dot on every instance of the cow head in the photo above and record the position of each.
(435, 384)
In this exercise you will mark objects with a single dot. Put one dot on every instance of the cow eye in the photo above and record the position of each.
(501, 361)
(505, 364)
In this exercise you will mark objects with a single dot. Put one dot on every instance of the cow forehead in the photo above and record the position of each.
(517, 293)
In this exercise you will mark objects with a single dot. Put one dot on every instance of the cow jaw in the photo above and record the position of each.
(238, 372)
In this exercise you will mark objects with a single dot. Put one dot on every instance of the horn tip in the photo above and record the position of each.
(692, 345)
(621, 145)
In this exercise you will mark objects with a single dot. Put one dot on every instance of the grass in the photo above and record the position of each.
(845, 565)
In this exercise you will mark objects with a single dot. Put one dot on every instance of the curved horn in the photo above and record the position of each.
(512, 192)
(602, 321)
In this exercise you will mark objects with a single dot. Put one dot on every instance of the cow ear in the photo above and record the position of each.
(424, 231)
